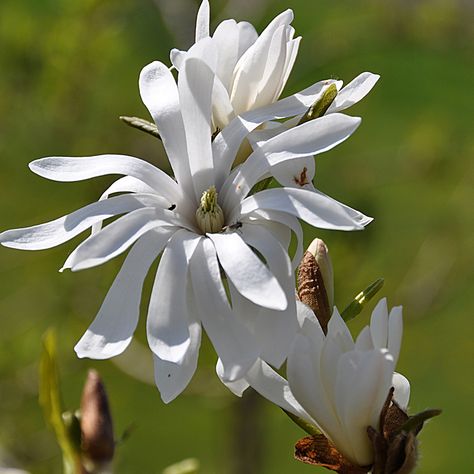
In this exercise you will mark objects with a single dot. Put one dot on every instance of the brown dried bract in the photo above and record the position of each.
(395, 444)
(311, 289)
(318, 451)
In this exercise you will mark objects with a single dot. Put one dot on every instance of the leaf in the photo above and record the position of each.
(356, 306)
(50, 401)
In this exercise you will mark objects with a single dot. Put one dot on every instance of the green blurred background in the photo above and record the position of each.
(69, 68)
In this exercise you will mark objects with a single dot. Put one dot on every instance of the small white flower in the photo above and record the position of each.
(335, 383)
(200, 222)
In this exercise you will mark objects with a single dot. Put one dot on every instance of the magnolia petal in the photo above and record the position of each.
(401, 393)
(379, 324)
(288, 221)
(228, 141)
(364, 395)
(395, 332)
(234, 344)
(113, 328)
(195, 83)
(311, 207)
(222, 110)
(117, 237)
(226, 38)
(168, 324)
(269, 85)
(364, 340)
(202, 21)
(274, 331)
(291, 53)
(177, 58)
(275, 388)
(159, 93)
(247, 36)
(172, 378)
(310, 138)
(237, 387)
(53, 233)
(296, 173)
(337, 327)
(127, 184)
(251, 277)
(63, 168)
(305, 383)
(250, 69)
(355, 91)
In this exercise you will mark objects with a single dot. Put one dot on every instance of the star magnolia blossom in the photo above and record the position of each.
(251, 72)
(251, 69)
(202, 221)
(337, 384)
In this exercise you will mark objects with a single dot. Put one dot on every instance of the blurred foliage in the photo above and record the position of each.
(70, 69)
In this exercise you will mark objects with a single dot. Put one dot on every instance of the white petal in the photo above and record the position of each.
(127, 184)
(226, 38)
(247, 36)
(269, 85)
(118, 236)
(364, 340)
(233, 343)
(63, 168)
(379, 324)
(337, 326)
(355, 91)
(296, 173)
(310, 138)
(395, 332)
(202, 21)
(195, 85)
(365, 394)
(250, 276)
(306, 385)
(250, 69)
(290, 222)
(159, 93)
(307, 205)
(274, 330)
(172, 378)
(113, 328)
(177, 58)
(275, 388)
(222, 110)
(362, 219)
(227, 143)
(237, 387)
(309, 324)
(402, 390)
(51, 234)
(168, 312)
(291, 53)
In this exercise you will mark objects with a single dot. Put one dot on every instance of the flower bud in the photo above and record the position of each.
(316, 281)
(320, 107)
(209, 215)
(97, 441)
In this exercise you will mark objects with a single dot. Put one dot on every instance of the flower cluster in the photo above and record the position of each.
(223, 236)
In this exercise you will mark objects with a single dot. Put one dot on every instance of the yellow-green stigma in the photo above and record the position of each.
(209, 215)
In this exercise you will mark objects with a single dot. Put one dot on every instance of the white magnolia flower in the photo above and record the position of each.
(335, 383)
(201, 222)
(252, 70)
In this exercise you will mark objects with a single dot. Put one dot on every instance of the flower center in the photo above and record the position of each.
(209, 215)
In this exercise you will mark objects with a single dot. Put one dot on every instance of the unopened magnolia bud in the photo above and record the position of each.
(320, 107)
(97, 440)
(316, 281)
(209, 215)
